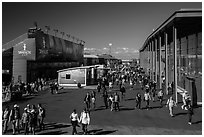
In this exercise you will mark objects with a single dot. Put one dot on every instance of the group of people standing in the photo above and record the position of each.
(31, 119)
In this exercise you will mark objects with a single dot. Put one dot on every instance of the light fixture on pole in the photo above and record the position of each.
(110, 44)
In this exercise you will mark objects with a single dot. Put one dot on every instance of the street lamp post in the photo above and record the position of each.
(110, 44)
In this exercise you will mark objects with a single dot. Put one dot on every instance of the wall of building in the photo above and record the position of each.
(21, 53)
(57, 49)
(72, 77)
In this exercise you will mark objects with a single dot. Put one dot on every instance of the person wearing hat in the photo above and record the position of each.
(85, 120)
(24, 121)
(14, 118)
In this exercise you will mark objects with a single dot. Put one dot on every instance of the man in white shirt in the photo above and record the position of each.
(147, 98)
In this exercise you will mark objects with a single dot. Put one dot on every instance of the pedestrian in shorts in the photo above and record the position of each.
(171, 103)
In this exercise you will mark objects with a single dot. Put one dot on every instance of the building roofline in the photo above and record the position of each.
(82, 67)
(176, 14)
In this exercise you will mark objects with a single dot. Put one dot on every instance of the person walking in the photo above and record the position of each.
(147, 98)
(14, 118)
(105, 99)
(122, 90)
(93, 99)
(24, 121)
(160, 96)
(116, 100)
(56, 87)
(41, 116)
(153, 90)
(85, 120)
(138, 101)
(33, 119)
(51, 87)
(87, 101)
(110, 100)
(99, 87)
(190, 114)
(171, 103)
(5, 119)
(74, 121)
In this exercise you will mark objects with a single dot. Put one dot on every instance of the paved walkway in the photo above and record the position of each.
(127, 121)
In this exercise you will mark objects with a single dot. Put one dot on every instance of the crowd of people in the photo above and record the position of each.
(129, 78)
(32, 119)
(20, 88)
(29, 122)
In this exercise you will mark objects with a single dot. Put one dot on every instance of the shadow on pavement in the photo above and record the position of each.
(197, 122)
(105, 132)
(93, 131)
(154, 107)
(126, 109)
(98, 132)
(57, 132)
(50, 126)
(97, 109)
(129, 99)
(182, 113)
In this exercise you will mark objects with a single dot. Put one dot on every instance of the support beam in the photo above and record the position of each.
(175, 61)
(160, 71)
(155, 60)
(152, 59)
(166, 63)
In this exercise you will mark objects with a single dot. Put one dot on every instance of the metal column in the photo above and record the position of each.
(175, 61)
(155, 60)
(160, 79)
(166, 63)
(152, 60)
(150, 54)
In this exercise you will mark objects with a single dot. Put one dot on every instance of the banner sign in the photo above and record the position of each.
(24, 52)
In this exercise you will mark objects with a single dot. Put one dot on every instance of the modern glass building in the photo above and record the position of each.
(174, 51)
(38, 55)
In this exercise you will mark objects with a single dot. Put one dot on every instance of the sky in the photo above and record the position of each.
(124, 24)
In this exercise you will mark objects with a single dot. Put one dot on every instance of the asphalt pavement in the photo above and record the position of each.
(127, 121)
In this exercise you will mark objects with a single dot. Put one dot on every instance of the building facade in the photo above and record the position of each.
(38, 55)
(174, 51)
